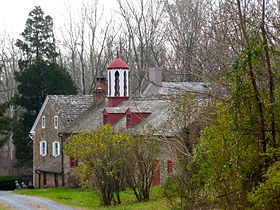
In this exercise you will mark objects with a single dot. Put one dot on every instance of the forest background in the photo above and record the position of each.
(233, 45)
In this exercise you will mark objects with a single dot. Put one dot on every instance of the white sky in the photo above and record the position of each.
(14, 13)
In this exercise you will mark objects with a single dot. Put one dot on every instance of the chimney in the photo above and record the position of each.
(100, 92)
(155, 76)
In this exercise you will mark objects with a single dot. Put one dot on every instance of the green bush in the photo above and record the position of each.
(180, 189)
(267, 194)
(8, 182)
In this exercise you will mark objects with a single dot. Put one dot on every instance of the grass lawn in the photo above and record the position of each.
(90, 200)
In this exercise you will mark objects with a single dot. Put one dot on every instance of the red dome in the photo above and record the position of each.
(117, 63)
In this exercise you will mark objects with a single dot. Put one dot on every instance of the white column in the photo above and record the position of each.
(127, 92)
(112, 83)
(121, 72)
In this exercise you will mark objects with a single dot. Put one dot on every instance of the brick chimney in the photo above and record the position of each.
(100, 92)
(155, 76)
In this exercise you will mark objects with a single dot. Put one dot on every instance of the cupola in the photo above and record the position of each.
(117, 82)
(117, 63)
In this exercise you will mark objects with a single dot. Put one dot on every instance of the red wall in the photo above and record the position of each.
(115, 101)
(136, 117)
(113, 117)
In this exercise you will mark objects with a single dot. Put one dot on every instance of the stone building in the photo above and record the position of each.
(62, 116)
(137, 113)
(56, 112)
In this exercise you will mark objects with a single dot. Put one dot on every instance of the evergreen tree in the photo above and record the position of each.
(41, 79)
(39, 76)
(38, 39)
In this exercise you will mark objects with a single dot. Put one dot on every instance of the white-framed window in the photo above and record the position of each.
(43, 148)
(56, 148)
(43, 121)
(55, 122)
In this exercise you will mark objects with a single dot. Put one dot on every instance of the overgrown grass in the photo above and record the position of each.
(90, 200)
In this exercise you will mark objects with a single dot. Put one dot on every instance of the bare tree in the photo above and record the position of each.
(185, 20)
(141, 42)
(8, 66)
(88, 45)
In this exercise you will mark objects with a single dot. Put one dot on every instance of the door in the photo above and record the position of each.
(156, 173)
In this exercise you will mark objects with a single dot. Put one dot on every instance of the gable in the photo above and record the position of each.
(66, 107)
(151, 89)
(32, 131)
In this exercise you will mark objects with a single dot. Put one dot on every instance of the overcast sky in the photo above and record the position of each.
(14, 13)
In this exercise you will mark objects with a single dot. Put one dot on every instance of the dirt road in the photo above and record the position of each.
(25, 202)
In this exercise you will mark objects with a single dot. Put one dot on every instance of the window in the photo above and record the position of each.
(73, 162)
(55, 122)
(105, 119)
(43, 121)
(169, 166)
(129, 121)
(56, 148)
(43, 148)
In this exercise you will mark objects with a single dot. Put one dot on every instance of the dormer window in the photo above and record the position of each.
(55, 122)
(129, 120)
(43, 148)
(43, 121)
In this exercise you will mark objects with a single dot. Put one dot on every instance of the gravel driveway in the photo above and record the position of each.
(22, 202)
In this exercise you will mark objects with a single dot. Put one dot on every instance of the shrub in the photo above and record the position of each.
(267, 194)
(8, 182)
(180, 188)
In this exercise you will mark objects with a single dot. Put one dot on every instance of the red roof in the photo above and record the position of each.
(117, 63)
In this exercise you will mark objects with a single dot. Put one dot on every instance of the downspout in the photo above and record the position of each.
(62, 158)
(31, 135)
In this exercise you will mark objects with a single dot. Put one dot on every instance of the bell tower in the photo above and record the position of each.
(117, 82)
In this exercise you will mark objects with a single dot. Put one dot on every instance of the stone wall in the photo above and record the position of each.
(48, 134)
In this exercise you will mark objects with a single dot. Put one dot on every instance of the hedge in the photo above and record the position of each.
(8, 182)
